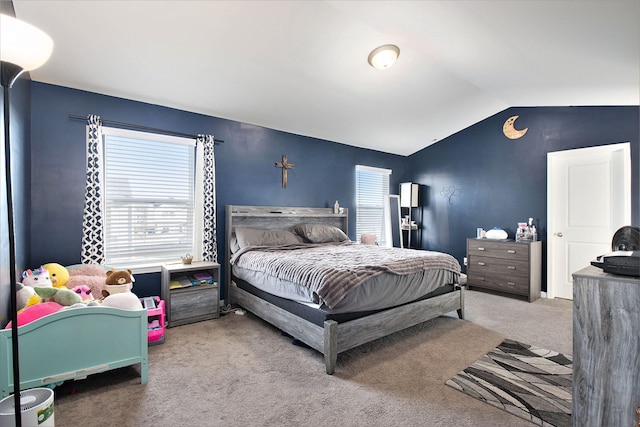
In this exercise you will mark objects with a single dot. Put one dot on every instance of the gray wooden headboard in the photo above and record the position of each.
(274, 217)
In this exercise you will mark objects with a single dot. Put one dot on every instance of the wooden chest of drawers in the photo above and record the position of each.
(505, 266)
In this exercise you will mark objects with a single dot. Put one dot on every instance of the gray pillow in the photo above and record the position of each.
(257, 237)
(233, 244)
(320, 233)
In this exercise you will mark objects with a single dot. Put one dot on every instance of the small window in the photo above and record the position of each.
(372, 189)
(150, 203)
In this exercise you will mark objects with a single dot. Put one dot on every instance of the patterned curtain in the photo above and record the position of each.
(209, 244)
(92, 224)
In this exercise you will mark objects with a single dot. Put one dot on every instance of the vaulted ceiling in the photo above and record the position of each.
(301, 66)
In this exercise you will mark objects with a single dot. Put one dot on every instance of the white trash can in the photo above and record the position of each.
(36, 406)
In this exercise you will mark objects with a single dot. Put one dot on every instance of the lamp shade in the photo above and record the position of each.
(23, 44)
(409, 195)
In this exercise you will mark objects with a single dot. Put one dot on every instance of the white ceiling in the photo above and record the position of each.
(301, 66)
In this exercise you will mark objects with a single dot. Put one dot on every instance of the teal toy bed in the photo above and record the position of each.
(73, 343)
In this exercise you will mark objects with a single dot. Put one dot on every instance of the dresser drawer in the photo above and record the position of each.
(497, 266)
(498, 249)
(512, 285)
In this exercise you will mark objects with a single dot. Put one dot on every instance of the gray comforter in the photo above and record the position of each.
(332, 270)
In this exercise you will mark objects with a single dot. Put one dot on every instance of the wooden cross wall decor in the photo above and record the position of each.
(285, 165)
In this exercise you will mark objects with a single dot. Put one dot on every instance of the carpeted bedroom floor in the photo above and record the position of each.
(240, 371)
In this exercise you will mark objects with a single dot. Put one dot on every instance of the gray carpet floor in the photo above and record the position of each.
(240, 371)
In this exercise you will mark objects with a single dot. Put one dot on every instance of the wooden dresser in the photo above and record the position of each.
(606, 348)
(505, 266)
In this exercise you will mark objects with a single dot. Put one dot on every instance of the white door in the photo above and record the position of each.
(588, 199)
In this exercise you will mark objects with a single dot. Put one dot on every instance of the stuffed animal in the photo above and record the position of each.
(91, 275)
(85, 293)
(39, 277)
(118, 281)
(124, 300)
(62, 296)
(22, 295)
(35, 312)
(59, 274)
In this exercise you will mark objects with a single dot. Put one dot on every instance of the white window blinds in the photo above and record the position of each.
(149, 197)
(372, 189)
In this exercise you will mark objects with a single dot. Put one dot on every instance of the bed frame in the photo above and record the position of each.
(333, 337)
(73, 343)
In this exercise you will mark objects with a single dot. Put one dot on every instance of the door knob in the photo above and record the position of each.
(559, 234)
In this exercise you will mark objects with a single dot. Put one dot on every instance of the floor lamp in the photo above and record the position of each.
(23, 47)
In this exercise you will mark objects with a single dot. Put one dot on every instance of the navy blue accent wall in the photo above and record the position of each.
(245, 167)
(20, 167)
(496, 181)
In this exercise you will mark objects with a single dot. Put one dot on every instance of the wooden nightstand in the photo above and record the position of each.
(188, 304)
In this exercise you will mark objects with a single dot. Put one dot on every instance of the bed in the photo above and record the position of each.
(73, 343)
(329, 321)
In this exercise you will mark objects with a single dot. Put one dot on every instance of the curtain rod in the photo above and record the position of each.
(143, 128)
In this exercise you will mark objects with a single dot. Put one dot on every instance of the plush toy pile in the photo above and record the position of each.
(53, 287)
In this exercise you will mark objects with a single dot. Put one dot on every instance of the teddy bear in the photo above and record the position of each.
(118, 291)
(118, 281)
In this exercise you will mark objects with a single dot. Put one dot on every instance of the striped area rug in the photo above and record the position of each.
(526, 381)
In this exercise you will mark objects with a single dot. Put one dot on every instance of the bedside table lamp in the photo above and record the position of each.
(23, 47)
(409, 199)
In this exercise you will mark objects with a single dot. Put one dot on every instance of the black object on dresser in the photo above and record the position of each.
(505, 266)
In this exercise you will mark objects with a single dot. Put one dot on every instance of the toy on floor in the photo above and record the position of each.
(59, 274)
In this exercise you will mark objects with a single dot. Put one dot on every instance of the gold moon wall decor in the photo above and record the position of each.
(510, 132)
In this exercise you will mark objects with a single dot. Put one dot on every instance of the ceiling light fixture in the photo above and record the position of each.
(384, 56)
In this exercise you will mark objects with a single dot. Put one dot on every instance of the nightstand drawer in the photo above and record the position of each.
(194, 301)
(497, 266)
(498, 249)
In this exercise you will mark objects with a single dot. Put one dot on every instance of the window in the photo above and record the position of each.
(149, 200)
(372, 189)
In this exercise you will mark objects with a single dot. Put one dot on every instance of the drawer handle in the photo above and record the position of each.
(511, 251)
(481, 263)
(481, 249)
(511, 267)
(510, 284)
